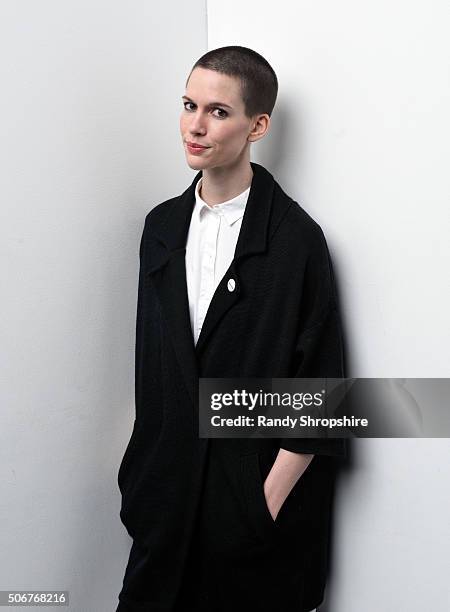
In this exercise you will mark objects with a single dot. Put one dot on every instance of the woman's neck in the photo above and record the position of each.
(222, 184)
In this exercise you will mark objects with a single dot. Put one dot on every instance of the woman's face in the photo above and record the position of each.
(213, 116)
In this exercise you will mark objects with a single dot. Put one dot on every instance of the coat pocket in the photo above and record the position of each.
(258, 512)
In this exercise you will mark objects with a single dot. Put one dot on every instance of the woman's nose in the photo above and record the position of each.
(197, 124)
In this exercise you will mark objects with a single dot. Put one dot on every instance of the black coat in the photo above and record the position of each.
(203, 536)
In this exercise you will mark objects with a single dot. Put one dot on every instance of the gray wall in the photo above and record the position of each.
(91, 96)
(361, 139)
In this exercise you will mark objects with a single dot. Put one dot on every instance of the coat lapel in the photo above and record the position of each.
(168, 269)
(252, 239)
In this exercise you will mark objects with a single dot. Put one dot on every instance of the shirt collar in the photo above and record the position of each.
(231, 210)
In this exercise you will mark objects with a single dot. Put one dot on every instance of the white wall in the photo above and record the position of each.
(88, 88)
(360, 137)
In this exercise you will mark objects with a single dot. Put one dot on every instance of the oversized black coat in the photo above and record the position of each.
(203, 537)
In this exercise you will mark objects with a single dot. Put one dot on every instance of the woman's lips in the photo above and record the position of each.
(196, 149)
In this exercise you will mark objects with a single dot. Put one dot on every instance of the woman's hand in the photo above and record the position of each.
(285, 472)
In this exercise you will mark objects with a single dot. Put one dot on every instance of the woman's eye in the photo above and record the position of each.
(225, 114)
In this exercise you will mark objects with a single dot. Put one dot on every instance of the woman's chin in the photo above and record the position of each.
(195, 163)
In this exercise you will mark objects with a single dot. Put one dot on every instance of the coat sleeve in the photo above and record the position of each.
(319, 342)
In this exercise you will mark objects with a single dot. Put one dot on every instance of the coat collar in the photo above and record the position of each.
(173, 230)
(265, 207)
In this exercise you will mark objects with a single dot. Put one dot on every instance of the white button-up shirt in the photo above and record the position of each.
(211, 242)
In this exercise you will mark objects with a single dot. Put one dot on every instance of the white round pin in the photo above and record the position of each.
(231, 284)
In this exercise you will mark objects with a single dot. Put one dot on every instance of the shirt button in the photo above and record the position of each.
(231, 284)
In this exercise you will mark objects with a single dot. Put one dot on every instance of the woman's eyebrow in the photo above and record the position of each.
(210, 104)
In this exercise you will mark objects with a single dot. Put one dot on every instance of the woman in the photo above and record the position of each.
(235, 281)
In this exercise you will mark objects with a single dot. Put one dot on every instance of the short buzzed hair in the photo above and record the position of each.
(259, 84)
